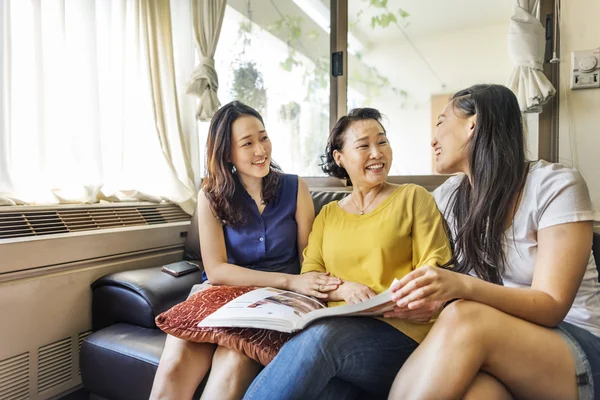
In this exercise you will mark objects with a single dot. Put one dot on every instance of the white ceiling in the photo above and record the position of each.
(427, 17)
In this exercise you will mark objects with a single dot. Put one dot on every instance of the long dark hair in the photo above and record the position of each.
(336, 139)
(498, 171)
(221, 184)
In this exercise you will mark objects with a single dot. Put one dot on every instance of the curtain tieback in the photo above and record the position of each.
(204, 77)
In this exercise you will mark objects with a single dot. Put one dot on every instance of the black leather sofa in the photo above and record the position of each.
(119, 360)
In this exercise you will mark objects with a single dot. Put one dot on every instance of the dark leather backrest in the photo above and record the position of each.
(192, 241)
(321, 198)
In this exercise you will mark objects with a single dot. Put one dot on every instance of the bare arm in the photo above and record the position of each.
(563, 253)
(305, 216)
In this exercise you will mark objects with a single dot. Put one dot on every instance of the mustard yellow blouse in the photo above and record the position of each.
(403, 233)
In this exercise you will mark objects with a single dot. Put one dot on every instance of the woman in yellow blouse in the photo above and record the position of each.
(377, 233)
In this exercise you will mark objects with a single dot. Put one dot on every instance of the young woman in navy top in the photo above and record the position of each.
(254, 225)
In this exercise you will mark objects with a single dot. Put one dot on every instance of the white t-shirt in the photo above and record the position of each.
(553, 195)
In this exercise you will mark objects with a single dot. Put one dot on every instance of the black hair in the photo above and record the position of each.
(498, 170)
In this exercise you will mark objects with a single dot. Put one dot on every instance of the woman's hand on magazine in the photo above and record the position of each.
(352, 292)
(316, 284)
(421, 314)
(427, 285)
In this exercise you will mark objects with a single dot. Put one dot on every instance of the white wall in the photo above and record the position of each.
(580, 109)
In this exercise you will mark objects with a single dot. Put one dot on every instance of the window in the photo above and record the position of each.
(403, 58)
(77, 115)
(274, 56)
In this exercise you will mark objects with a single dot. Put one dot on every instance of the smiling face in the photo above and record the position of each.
(366, 153)
(250, 148)
(451, 141)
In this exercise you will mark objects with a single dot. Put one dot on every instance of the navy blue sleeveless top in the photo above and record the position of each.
(267, 242)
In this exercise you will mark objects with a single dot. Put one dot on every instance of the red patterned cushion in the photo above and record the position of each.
(182, 321)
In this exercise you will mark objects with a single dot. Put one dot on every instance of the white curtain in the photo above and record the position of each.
(526, 45)
(78, 115)
(204, 83)
(157, 33)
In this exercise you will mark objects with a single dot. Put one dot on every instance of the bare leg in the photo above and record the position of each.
(230, 376)
(486, 387)
(533, 362)
(182, 367)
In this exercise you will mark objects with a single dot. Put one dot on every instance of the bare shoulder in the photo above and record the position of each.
(203, 207)
(305, 202)
(302, 185)
(202, 199)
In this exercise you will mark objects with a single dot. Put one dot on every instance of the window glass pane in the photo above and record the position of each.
(407, 57)
(274, 56)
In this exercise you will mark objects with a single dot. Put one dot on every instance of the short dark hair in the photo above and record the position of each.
(337, 135)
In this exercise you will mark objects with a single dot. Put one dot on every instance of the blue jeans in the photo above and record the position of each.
(364, 352)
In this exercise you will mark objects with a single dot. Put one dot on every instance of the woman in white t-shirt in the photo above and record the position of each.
(527, 322)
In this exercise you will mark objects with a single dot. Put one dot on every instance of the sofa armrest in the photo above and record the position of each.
(138, 296)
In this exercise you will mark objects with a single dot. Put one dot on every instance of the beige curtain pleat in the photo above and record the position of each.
(156, 30)
(204, 83)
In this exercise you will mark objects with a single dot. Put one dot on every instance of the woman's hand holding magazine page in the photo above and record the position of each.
(421, 311)
(351, 293)
(284, 311)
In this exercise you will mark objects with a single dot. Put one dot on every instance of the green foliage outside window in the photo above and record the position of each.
(247, 83)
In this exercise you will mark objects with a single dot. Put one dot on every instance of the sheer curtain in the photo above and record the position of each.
(78, 104)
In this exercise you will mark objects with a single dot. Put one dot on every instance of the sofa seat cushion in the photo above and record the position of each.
(119, 362)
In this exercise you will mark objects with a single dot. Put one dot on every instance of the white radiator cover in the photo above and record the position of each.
(45, 299)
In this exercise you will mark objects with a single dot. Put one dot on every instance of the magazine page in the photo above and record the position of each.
(267, 308)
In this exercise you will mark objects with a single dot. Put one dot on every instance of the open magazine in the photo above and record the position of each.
(285, 311)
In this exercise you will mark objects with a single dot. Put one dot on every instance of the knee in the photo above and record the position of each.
(464, 320)
(235, 363)
(177, 355)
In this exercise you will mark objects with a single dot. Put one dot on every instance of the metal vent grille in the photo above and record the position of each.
(54, 364)
(82, 337)
(36, 222)
(14, 378)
